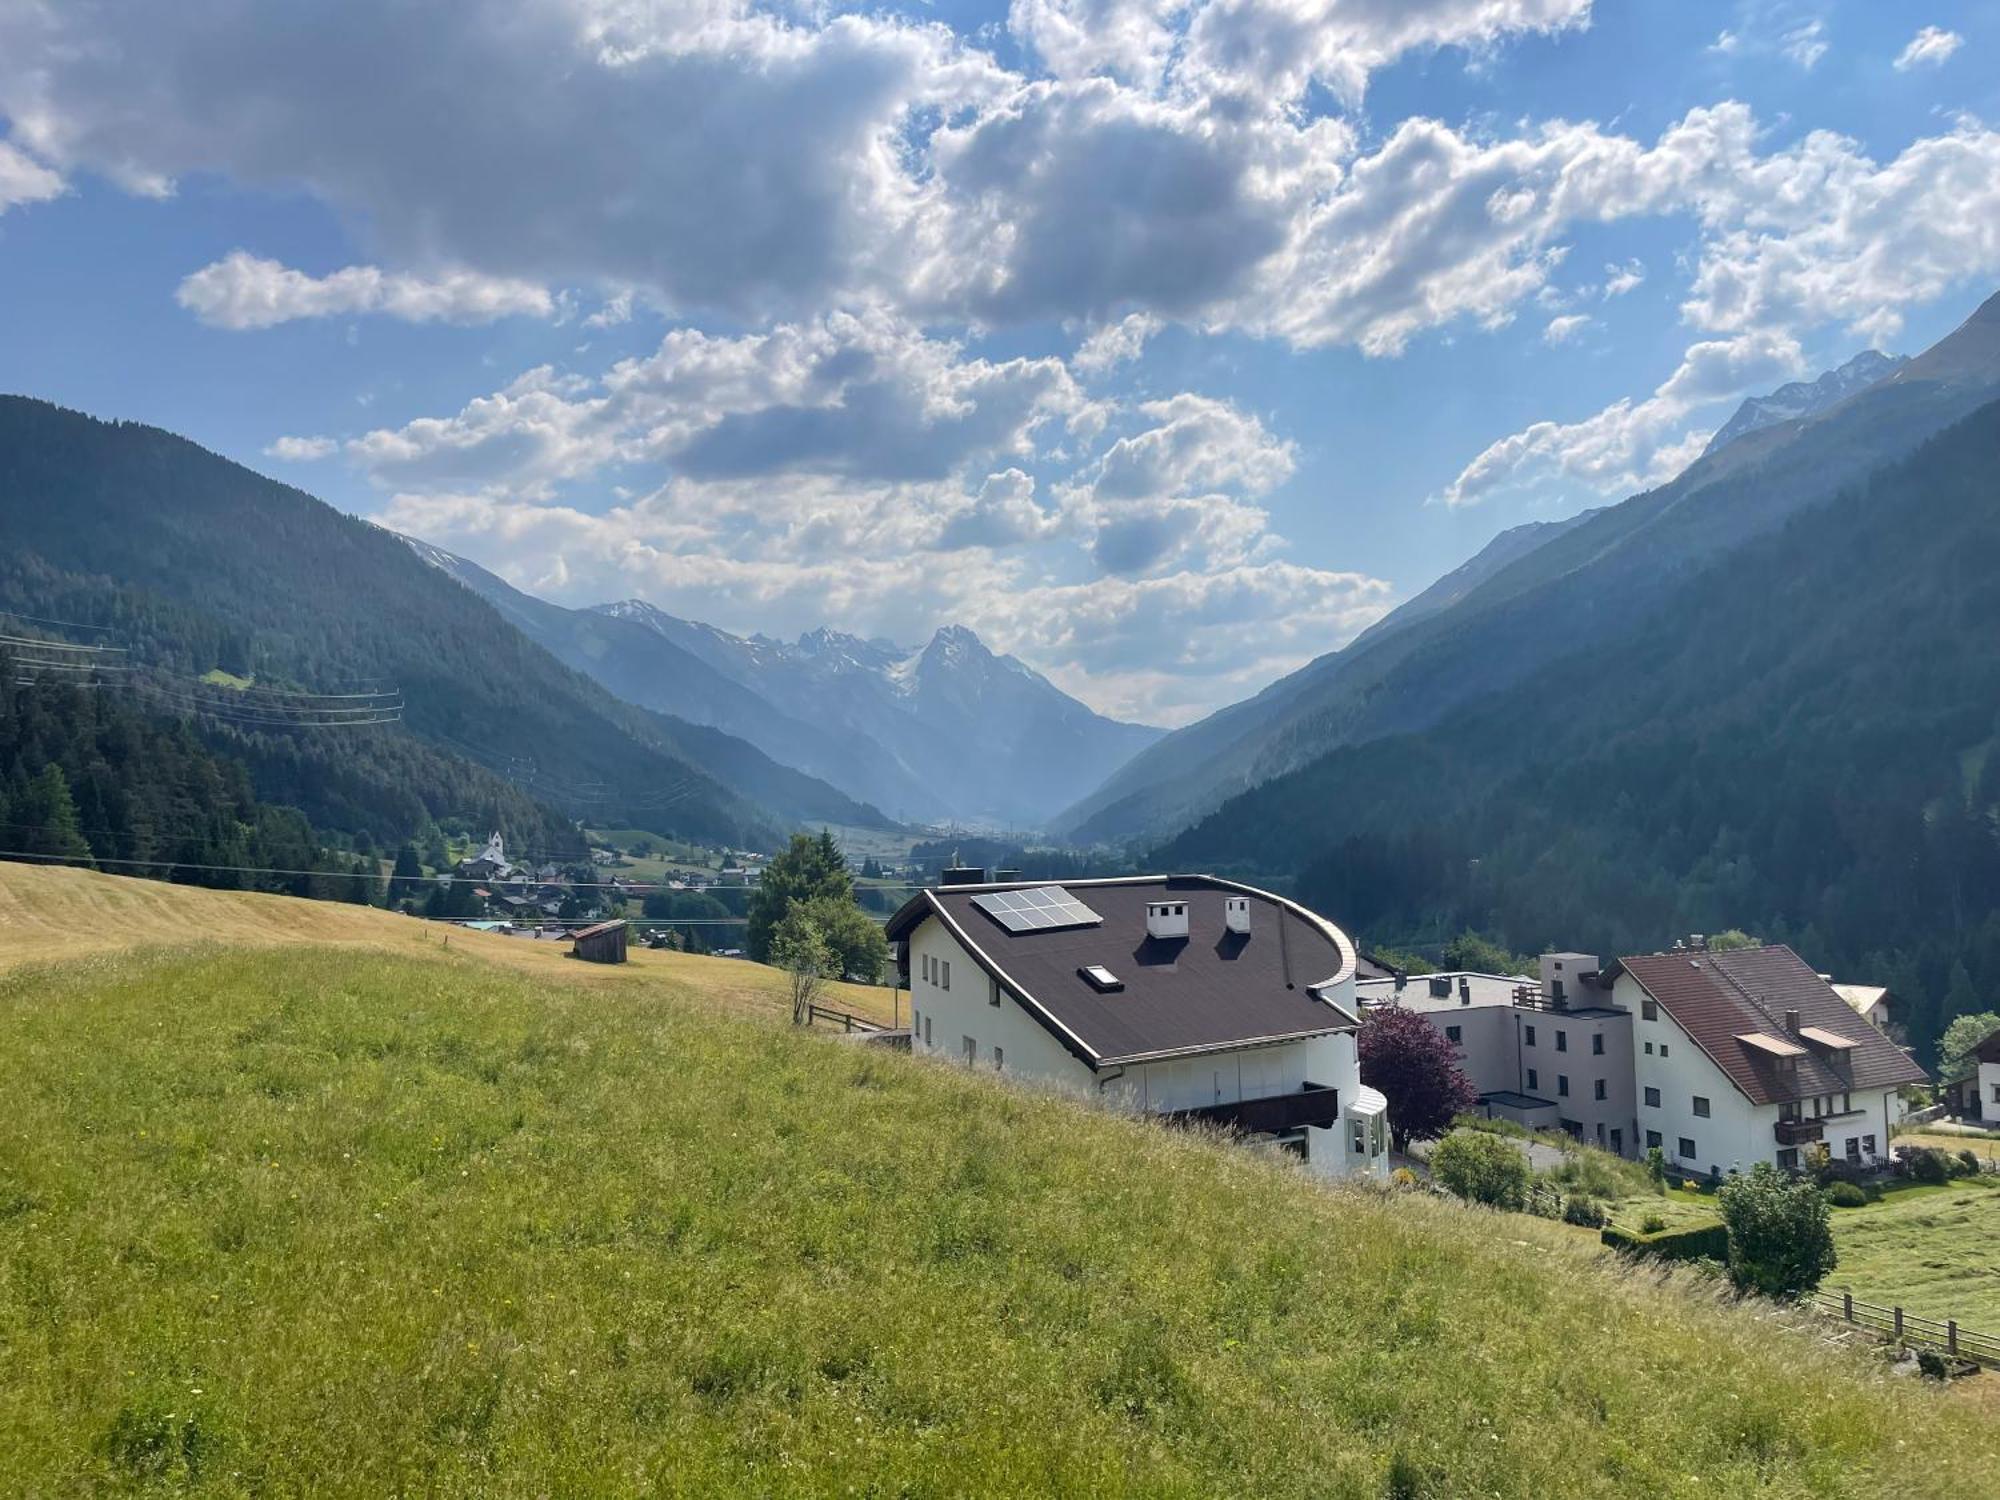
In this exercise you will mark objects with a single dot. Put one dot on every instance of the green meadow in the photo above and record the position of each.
(332, 1222)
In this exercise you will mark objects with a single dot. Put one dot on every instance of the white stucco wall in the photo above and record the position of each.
(1989, 1091)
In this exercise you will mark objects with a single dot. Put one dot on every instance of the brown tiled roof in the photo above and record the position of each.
(1719, 998)
(1209, 991)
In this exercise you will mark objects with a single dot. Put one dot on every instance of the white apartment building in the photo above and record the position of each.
(1988, 1055)
(1749, 1055)
(1545, 1052)
(1185, 996)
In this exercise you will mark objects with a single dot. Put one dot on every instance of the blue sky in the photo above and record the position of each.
(1166, 344)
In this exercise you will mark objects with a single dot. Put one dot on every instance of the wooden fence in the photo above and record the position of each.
(1908, 1328)
(845, 1020)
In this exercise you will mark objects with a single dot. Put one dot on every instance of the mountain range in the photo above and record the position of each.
(1806, 398)
(1534, 596)
(949, 731)
(201, 568)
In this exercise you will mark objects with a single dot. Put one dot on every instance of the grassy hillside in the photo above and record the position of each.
(48, 915)
(341, 1222)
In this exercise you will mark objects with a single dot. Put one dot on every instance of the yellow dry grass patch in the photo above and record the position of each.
(53, 915)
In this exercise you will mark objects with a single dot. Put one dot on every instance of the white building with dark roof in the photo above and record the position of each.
(1184, 996)
(1749, 1055)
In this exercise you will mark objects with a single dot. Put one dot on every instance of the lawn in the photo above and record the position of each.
(321, 1220)
(1932, 1250)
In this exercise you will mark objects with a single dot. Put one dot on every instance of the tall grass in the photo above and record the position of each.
(314, 1222)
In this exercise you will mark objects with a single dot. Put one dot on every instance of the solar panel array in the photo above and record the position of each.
(1042, 909)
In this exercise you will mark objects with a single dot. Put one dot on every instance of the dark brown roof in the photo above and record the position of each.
(1209, 991)
(599, 930)
(1719, 998)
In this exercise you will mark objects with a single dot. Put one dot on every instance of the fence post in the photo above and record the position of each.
(1847, 1300)
(1951, 1334)
(1899, 1322)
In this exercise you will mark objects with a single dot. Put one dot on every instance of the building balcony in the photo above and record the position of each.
(1272, 1114)
(1800, 1132)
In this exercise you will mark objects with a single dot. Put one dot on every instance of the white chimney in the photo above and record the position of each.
(1166, 919)
(1236, 914)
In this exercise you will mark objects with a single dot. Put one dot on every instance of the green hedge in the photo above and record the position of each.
(1688, 1242)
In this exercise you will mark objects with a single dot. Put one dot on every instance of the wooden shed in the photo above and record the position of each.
(602, 944)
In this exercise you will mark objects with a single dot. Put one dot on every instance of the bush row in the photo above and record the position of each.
(1689, 1242)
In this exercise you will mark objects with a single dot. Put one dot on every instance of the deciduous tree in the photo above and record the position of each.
(1412, 1063)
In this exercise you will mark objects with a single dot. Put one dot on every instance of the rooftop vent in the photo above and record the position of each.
(1167, 919)
(962, 875)
(1236, 914)
(1101, 979)
(1440, 986)
(1792, 1022)
(1006, 877)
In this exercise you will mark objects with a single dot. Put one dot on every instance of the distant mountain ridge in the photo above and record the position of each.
(1595, 578)
(196, 563)
(948, 731)
(1802, 398)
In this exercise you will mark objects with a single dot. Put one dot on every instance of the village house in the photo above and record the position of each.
(1875, 1005)
(1183, 996)
(489, 864)
(1988, 1055)
(1749, 1055)
(1547, 1053)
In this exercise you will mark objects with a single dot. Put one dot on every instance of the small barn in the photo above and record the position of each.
(602, 944)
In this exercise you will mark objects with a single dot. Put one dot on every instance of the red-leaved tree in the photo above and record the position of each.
(1413, 1063)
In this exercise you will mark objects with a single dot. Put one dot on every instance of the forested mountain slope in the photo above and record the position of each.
(1802, 741)
(195, 564)
(1589, 581)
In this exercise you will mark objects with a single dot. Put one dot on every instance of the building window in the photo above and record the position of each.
(1597, 1044)
(1562, 1084)
(994, 997)
(1599, 1088)
(1788, 1159)
(1663, 1049)
(1868, 1144)
(971, 1051)
(1649, 1009)
(916, 1024)
(1531, 1042)
(1452, 1035)
(1686, 1150)
(1649, 1049)
(927, 1031)
(999, 1057)
(1562, 1040)
(1533, 1081)
(945, 983)
(1854, 1149)
(1556, 989)
(1700, 1107)
(1653, 1098)
(1653, 1140)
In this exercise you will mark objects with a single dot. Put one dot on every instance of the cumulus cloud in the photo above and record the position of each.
(25, 180)
(1630, 445)
(1114, 344)
(302, 450)
(1561, 330)
(243, 291)
(1929, 48)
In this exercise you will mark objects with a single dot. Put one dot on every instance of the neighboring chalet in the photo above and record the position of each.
(1749, 1055)
(1987, 1054)
(1184, 996)
(1875, 1005)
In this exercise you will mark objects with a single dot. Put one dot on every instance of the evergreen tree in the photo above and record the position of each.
(809, 868)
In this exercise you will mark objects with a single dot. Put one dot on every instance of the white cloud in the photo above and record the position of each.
(243, 291)
(1806, 44)
(302, 450)
(25, 180)
(1114, 344)
(1620, 279)
(1929, 48)
(1630, 445)
(1561, 330)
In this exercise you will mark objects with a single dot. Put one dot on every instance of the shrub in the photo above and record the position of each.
(1656, 1165)
(1481, 1168)
(1652, 1224)
(1923, 1163)
(1968, 1165)
(1708, 1240)
(1846, 1195)
(1403, 1177)
(1780, 1239)
(1586, 1212)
